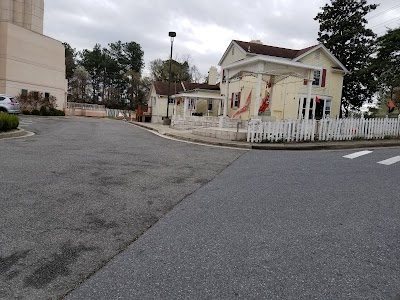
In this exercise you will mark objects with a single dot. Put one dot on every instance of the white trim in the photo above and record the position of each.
(331, 56)
(233, 43)
(271, 59)
(192, 95)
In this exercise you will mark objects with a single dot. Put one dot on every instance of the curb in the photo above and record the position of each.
(289, 147)
(19, 133)
(200, 141)
(322, 146)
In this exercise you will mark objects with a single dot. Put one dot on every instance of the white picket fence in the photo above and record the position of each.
(118, 113)
(322, 130)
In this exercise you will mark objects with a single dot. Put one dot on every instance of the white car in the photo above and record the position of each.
(8, 105)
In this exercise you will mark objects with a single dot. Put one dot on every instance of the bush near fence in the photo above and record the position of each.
(8, 122)
(323, 130)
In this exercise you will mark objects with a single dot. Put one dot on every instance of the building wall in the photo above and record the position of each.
(158, 106)
(31, 61)
(286, 94)
(334, 79)
(25, 13)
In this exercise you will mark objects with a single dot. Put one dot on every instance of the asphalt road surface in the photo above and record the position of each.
(81, 191)
(273, 225)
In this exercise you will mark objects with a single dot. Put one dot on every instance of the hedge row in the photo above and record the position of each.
(8, 122)
(44, 111)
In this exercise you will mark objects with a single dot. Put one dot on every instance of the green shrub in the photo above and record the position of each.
(43, 111)
(26, 112)
(35, 112)
(56, 112)
(8, 122)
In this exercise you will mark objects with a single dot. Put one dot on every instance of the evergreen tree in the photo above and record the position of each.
(386, 66)
(180, 71)
(70, 61)
(342, 30)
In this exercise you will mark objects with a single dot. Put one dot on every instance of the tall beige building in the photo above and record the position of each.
(24, 13)
(29, 60)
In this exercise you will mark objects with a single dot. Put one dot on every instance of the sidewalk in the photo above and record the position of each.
(186, 135)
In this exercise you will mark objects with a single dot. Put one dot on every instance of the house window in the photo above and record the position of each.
(235, 100)
(24, 94)
(304, 107)
(192, 104)
(210, 104)
(47, 95)
(322, 108)
(317, 78)
(328, 104)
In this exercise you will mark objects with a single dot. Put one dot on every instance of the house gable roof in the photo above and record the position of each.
(327, 52)
(232, 44)
(161, 88)
(256, 48)
(251, 48)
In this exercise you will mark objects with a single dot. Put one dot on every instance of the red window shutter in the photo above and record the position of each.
(239, 98)
(323, 84)
(233, 97)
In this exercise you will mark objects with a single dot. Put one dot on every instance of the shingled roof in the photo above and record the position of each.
(257, 48)
(162, 87)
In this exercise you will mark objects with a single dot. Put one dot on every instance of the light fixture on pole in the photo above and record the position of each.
(167, 120)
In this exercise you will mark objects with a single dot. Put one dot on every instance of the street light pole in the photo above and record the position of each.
(167, 120)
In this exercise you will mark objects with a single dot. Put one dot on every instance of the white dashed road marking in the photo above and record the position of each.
(357, 154)
(390, 161)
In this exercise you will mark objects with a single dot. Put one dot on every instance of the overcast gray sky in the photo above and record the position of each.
(204, 27)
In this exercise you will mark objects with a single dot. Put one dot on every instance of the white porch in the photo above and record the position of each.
(187, 104)
(267, 69)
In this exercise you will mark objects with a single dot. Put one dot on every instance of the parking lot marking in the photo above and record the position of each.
(390, 161)
(358, 154)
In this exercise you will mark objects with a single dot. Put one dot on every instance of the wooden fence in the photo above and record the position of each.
(322, 130)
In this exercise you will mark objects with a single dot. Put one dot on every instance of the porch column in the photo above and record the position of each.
(301, 108)
(314, 107)
(224, 119)
(308, 101)
(226, 94)
(257, 103)
(219, 107)
(175, 107)
(185, 108)
(271, 94)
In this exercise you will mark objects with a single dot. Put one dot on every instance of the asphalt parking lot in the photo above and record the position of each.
(80, 191)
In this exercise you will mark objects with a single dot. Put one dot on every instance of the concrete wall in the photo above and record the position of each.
(25, 13)
(31, 61)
